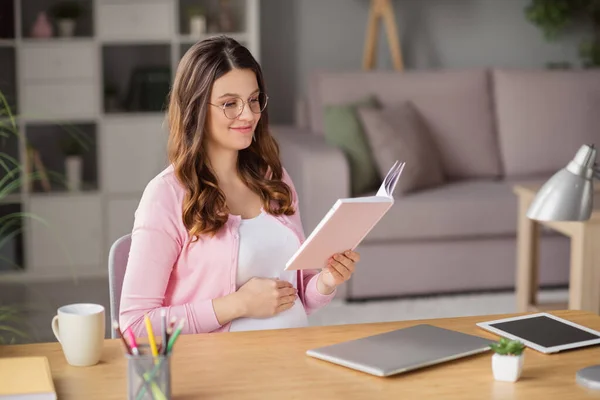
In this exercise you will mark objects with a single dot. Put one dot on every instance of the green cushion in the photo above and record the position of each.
(343, 129)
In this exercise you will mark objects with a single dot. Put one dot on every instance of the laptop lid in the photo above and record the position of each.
(402, 350)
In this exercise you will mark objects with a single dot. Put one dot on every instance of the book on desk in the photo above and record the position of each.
(26, 378)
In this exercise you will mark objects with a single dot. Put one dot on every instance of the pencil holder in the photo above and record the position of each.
(149, 377)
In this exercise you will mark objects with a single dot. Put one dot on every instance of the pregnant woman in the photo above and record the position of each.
(213, 231)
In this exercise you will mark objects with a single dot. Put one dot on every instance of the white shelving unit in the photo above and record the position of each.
(61, 82)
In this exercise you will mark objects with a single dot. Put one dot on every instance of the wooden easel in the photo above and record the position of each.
(382, 9)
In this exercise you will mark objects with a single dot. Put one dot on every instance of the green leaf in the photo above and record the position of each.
(6, 107)
(7, 238)
(10, 262)
(21, 215)
(506, 346)
(8, 328)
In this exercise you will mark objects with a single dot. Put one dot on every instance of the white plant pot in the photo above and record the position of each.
(74, 172)
(507, 368)
(66, 27)
(197, 25)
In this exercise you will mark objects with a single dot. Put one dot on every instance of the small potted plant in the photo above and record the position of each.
(73, 149)
(197, 20)
(66, 14)
(507, 362)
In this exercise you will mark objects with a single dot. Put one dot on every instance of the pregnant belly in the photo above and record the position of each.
(295, 317)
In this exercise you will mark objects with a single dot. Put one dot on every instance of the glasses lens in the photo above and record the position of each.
(258, 103)
(233, 108)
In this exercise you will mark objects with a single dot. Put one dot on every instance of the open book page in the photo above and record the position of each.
(391, 179)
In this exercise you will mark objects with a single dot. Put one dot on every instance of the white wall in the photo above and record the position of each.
(299, 36)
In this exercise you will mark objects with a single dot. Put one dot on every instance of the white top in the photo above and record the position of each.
(265, 246)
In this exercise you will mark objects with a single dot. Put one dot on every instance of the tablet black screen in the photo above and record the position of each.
(544, 331)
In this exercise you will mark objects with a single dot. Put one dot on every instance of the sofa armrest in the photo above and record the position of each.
(320, 172)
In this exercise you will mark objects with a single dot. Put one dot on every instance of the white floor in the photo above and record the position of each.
(424, 308)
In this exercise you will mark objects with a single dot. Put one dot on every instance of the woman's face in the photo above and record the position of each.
(229, 91)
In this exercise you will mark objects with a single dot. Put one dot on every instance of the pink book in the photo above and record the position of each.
(346, 225)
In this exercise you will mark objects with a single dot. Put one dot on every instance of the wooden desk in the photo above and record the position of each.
(273, 365)
(584, 275)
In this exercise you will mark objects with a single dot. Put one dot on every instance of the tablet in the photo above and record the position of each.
(543, 332)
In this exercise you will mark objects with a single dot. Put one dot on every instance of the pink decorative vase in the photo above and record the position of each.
(42, 28)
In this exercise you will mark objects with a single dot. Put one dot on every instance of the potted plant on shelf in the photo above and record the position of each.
(196, 20)
(66, 14)
(73, 150)
(507, 362)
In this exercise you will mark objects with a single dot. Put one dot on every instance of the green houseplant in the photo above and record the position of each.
(13, 176)
(66, 14)
(507, 361)
(11, 324)
(554, 17)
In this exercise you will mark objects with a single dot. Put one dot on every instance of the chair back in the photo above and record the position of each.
(117, 263)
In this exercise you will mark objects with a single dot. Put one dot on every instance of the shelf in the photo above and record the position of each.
(241, 37)
(71, 235)
(44, 120)
(135, 42)
(8, 79)
(145, 140)
(32, 9)
(183, 48)
(7, 21)
(137, 78)
(50, 141)
(12, 199)
(53, 40)
(232, 19)
(185, 42)
(11, 239)
(130, 116)
(90, 188)
(126, 47)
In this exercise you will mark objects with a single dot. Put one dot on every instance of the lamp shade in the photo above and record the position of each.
(568, 194)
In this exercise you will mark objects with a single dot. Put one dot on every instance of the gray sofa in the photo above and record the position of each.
(494, 128)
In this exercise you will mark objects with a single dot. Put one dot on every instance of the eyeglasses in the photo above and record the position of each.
(233, 108)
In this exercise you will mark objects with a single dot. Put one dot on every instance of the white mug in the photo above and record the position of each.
(80, 330)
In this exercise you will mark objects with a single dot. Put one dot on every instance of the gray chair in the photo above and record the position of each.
(117, 263)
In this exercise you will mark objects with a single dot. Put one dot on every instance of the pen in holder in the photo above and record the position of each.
(149, 365)
(148, 377)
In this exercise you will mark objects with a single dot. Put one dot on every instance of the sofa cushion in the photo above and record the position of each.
(398, 133)
(343, 129)
(544, 117)
(456, 106)
(466, 209)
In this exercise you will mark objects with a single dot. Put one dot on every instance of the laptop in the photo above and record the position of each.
(402, 350)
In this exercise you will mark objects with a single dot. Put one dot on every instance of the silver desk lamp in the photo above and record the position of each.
(568, 196)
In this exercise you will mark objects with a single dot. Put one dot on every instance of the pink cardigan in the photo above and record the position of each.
(163, 274)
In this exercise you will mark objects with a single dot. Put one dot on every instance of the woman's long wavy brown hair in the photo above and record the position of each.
(205, 208)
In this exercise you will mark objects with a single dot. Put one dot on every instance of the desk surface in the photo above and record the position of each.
(273, 365)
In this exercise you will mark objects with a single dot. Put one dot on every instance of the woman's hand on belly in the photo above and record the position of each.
(263, 297)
